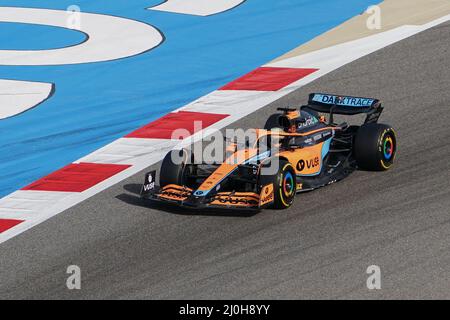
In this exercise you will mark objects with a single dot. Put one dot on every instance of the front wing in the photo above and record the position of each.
(184, 197)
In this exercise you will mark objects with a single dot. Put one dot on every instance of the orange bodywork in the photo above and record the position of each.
(262, 132)
(175, 192)
(293, 114)
(267, 195)
(306, 161)
(237, 199)
(227, 167)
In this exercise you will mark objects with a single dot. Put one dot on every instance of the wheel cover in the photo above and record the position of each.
(288, 184)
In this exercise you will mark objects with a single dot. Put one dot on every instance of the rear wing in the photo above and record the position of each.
(346, 105)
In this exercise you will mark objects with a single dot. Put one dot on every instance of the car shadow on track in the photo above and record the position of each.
(133, 198)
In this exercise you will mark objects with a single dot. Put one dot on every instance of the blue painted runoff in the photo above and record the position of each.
(96, 103)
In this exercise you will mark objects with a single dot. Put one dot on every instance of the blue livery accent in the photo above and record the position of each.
(325, 151)
(343, 100)
(326, 148)
(258, 157)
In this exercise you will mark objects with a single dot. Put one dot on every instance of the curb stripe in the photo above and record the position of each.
(76, 177)
(129, 151)
(6, 224)
(268, 79)
(164, 127)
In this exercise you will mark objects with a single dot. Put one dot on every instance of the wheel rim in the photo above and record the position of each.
(388, 148)
(288, 184)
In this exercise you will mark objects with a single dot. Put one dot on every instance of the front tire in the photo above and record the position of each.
(284, 182)
(173, 167)
(375, 147)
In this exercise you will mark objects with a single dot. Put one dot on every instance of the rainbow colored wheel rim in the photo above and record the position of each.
(288, 184)
(388, 148)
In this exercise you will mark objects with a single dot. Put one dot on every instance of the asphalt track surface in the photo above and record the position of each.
(319, 248)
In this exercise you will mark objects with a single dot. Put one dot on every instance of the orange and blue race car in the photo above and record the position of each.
(298, 150)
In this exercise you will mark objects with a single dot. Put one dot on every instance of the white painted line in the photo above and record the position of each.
(131, 151)
(19, 96)
(197, 7)
(29, 205)
(110, 38)
(229, 101)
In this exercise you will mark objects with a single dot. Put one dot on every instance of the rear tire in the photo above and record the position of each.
(273, 122)
(284, 183)
(375, 147)
(172, 168)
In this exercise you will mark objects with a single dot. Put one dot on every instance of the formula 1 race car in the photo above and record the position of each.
(305, 151)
